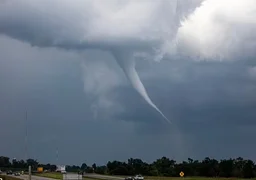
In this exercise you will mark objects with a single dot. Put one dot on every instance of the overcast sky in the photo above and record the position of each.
(81, 103)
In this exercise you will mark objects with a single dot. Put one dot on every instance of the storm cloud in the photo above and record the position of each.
(195, 58)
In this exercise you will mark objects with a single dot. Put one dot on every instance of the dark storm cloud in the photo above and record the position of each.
(86, 111)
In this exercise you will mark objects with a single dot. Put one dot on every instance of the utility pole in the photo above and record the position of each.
(26, 136)
(29, 172)
(57, 155)
(26, 145)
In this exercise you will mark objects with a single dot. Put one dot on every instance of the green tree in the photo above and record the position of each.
(33, 163)
(226, 167)
(249, 169)
(4, 161)
(84, 167)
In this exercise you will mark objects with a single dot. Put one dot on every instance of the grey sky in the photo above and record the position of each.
(81, 103)
(211, 105)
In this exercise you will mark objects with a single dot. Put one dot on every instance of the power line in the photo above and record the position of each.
(26, 144)
(26, 136)
(57, 155)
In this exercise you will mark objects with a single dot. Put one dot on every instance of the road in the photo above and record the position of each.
(25, 177)
(98, 176)
(103, 177)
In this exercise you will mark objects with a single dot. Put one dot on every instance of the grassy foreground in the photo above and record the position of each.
(53, 175)
(8, 177)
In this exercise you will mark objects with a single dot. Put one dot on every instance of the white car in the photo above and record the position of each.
(138, 177)
(16, 174)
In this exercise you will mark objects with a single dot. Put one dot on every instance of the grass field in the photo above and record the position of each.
(50, 175)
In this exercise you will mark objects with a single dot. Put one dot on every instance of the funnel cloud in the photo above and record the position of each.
(127, 63)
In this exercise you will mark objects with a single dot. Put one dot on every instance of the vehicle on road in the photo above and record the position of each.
(9, 173)
(16, 174)
(128, 178)
(138, 177)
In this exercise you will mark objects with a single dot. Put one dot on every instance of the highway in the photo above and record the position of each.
(103, 177)
(94, 176)
(25, 177)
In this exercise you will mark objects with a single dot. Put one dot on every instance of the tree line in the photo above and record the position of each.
(239, 167)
